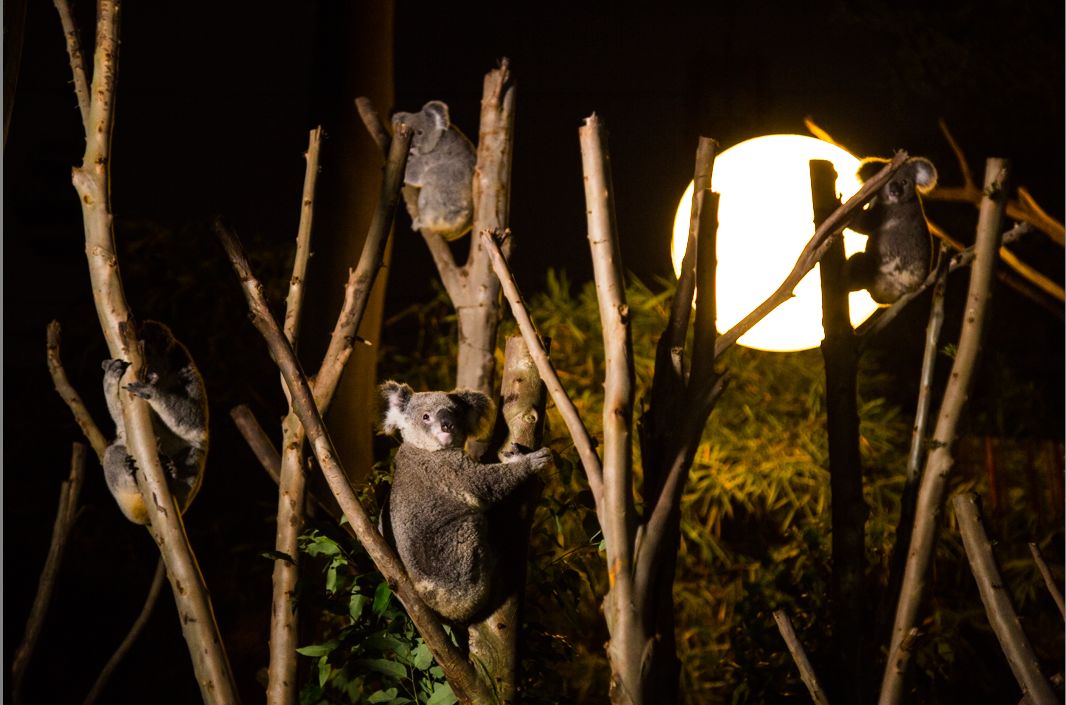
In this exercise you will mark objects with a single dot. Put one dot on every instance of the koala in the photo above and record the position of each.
(899, 251)
(440, 172)
(440, 496)
(175, 391)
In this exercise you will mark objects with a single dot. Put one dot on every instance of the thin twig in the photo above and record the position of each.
(65, 515)
(77, 60)
(940, 460)
(294, 301)
(70, 395)
(799, 656)
(1025, 209)
(131, 637)
(586, 449)
(361, 279)
(918, 436)
(372, 121)
(253, 434)
(1001, 615)
(460, 673)
(1049, 579)
(829, 230)
(257, 439)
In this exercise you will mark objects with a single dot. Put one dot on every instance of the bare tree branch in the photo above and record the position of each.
(257, 440)
(465, 682)
(91, 180)
(586, 449)
(77, 60)
(617, 514)
(918, 437)
(799, 656)
(940, 460)
(294, 301)
(1049, 579)
(131, 637)
(284, 624)
(70, 395)
(812, 253)
(1000, 612)
(282, 686)
(65, 515)
(849, 510)
(1025, 209)
(373, 123)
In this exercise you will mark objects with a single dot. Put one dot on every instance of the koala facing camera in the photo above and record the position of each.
(899, 251)
(440, 496)
(440, 171)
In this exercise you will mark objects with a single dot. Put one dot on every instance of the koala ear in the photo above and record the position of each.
(438, 113)
(396, 395)
(400, 119)
(477, 408)
(924, 173)
(869, 167)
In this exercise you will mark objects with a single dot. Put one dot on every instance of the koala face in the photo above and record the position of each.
(918, 175)
(428, 126)
(434, 420)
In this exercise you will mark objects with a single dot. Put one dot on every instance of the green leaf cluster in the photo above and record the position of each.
(373, 653)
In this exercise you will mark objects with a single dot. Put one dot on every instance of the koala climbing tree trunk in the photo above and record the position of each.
(92, 182)
(473, 289)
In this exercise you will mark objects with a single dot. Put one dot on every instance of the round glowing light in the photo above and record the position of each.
(765, 218)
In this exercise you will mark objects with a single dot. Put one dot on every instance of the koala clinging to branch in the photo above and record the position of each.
(440, 496)
(440, 172)
(175, 391)
(899, 253)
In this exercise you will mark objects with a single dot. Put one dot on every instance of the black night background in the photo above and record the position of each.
(214, 105)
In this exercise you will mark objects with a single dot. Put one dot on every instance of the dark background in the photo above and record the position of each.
(214, 104)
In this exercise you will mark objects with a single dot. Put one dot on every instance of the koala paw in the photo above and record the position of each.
(117, 367)
(145, 390)
(540, 458)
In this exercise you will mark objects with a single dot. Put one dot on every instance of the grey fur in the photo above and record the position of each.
(899, 251)
(440, 172)
(440, 496)
(175, 391)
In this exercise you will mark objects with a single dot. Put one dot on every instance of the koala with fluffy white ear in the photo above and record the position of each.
(440, 496)
(899, 251)
(175, 391)
(440, 172)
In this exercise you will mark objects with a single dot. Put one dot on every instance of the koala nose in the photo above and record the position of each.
(896, 189)
(446, 426)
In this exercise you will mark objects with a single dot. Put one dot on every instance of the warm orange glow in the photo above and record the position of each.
(764, 220)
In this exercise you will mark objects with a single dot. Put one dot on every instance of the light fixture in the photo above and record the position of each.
(765, 218)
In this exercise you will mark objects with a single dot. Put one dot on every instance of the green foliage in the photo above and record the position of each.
(755, 531)
(374, 654)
